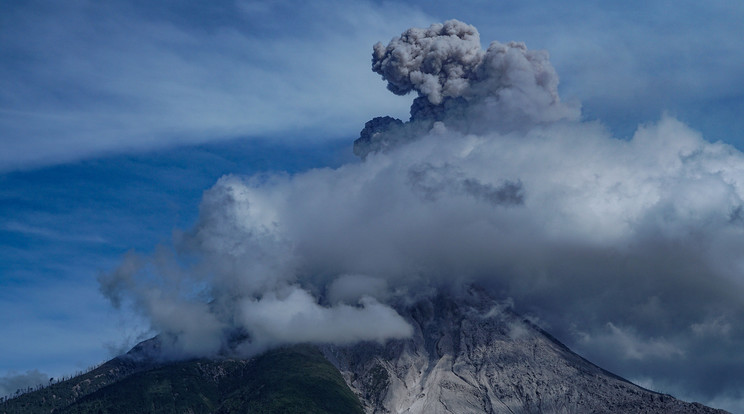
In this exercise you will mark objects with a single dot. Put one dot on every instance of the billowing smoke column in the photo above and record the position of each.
(629, 250)
(504, 88)
(438, 62)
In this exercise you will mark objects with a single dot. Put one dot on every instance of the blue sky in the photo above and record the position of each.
(65, 224)
(115, 117)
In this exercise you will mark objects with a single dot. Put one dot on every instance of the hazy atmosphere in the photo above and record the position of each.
(192, 171)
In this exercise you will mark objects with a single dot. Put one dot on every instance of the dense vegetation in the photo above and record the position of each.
(289, 380)
(63, 393)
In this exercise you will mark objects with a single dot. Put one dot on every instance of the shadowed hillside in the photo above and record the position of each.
(295, 379)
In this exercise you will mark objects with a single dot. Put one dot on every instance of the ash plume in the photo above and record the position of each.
(437, 62)
(503, 88)
(628, 250)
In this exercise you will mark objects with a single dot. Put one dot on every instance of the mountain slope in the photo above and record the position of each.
(467, 355)
(64, 393)
(474, 356)
(287, 380)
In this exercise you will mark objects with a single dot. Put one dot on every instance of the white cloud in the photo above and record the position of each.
(627, 240)
(352, 288)
(627, 343)
(294, 316)
(716, 327)
(733, 404)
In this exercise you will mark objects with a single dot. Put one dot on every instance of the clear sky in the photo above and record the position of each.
(115, 117)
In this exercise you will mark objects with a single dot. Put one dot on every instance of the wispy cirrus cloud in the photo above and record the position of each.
(86, 78)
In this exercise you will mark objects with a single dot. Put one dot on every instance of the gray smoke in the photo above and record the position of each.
(437, 62)
(433, 182)
(503, 88)
(629, 250)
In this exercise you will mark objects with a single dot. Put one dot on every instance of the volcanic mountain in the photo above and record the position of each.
(469, 354)
(351, 289)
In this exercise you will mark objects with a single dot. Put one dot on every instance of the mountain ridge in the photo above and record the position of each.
(290, 379)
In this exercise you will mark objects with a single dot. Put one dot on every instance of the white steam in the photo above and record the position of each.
(634, 242)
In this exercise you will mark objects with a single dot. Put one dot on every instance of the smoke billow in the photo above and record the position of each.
(503, 88)
(437, 62)
(630, 250)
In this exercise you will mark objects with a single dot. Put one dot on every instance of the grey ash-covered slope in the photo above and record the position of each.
(475, 356)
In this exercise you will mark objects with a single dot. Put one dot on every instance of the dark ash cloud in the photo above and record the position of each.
(504, 88)
(432, 182)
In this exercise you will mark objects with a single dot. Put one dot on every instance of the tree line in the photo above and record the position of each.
(52, 381)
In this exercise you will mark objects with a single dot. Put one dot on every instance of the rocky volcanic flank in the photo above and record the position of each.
(477, 356)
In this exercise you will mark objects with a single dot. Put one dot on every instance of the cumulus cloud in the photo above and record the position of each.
(633, 243)
(296, 317)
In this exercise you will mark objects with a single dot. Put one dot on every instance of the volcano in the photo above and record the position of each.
(468, 354)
